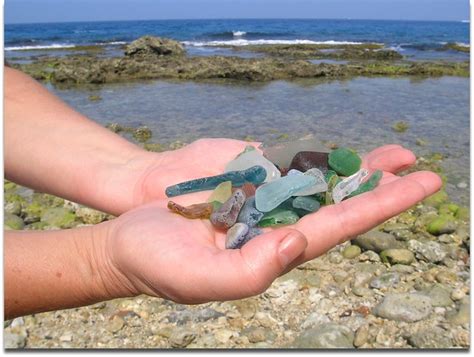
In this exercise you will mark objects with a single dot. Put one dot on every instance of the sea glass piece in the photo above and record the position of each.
(235, 237)
(307, 204)
(368, 185)
(333, 180)
(344, 161)
(254, 158)
(200, 210)
(216, 205)
(255, 175)
(305, 160)
(319, 186)
(329, 174)
(278, 216)
(249, 214)
(226, 216)
(222, 192)
(272, 194)
(249, 189)
(281, 154)
(348, 185)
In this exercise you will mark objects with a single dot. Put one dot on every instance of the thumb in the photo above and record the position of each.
(267, 256)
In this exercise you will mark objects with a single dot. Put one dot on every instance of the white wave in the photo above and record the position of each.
(462, 44)
(116, 43)
(465, 21)
(397, 48)
(39, 47)
(239, 33)
(242, 42)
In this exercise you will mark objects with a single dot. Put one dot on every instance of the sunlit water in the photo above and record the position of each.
(358, 113)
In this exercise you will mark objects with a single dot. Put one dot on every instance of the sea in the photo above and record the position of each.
(358, 112)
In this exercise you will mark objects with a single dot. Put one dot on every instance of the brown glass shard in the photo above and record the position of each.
(306, 160)
(249, 189)
(200, 210)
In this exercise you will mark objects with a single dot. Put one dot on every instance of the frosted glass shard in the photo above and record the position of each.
(272, 194)
(348, 185)
(254, 158)
(319, 186)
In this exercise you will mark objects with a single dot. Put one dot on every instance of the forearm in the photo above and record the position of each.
(54, 270)
(52, 148)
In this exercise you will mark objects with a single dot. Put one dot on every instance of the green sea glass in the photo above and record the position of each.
(368, 185)
(278, 216)
(344, 161)
(255, 175)
(222, 192)
(307, 204)
(333, 181)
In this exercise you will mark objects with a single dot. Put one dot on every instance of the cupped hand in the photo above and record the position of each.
(161, 253)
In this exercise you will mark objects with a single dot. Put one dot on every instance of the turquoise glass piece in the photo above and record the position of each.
(272, 194)
(278, 216)
(306, 203)
(254, 158)
(255, 175)
(368, 185)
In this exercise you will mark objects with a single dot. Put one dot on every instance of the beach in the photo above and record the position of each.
(358, 84)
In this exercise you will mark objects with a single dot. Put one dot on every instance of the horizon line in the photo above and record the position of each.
(235, 18)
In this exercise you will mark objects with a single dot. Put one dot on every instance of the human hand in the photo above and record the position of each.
(157, 252)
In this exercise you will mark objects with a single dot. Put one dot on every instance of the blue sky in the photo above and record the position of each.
(18, 11)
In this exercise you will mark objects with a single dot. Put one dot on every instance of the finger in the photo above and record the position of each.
(251, 270)
(393, 159)
(335, 224)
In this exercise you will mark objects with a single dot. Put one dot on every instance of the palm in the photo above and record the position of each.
(185, 260)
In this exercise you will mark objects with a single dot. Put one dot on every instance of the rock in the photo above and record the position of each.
(361, 291)
(446, 277)
(115, 325)
(66, 337)
(182, 338)
(361, 336)
(254, 175)
(442, 225)
(377, 241)
(58, 217)
(386, 281)
(270, 195)
(14, 340)
(461, 316)
(12, 207)
(224, 335)
(305, 160)
(344, 161)
(328, 335)
(335, 257)
(439, 295)
(142, 134)
(256, 334)
(403, 269)
(253, 158)
(457, 294)
(400, 126)
(315, 319)
(351, 251)
(226, 216)
(12, 221)
(434, 337)
(89, 215)
(437, 199)
(430, 251)
(235, 237)
(404, 307)
(249, 214)
(463, 214)
(462, 185)
(147, 46)
(370, 256)
(397, 256)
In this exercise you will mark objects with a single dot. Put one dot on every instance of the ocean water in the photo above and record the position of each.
(358, 113)
(202, 37)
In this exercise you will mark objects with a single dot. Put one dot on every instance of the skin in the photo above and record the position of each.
(148, 249)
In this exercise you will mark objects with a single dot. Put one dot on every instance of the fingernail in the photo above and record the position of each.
(291, 247)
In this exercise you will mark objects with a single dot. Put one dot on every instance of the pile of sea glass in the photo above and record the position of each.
(275, 188)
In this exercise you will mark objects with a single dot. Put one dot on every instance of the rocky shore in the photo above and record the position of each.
(404, 284)
(157, 58)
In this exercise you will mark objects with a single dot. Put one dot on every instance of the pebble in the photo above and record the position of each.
(344, 161)
(89, 215)
(255, 334)
(397, 256)
(226, 216)
(249, 214)
(439, 295)
(66, 337)
(385, 281)
(328, 335)
(361, 336)
(462, 185)
(457, 294)
(431, 252)
(377, 241)
(351, 251)
(116, 324)
(361, 291)
(255, 175)
(306, 160)
(442, 225)
(182, 338)
(404, 307)
(462, 315)
(335, 257)
(434, 338)
(14, 340)
(236, 236)
(446, 277)
(223, 335)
